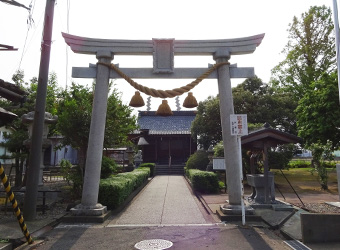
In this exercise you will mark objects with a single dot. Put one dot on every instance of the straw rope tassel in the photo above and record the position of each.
(15, 206)
(165, 93)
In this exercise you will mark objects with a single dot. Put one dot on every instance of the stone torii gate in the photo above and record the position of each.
(163, 52)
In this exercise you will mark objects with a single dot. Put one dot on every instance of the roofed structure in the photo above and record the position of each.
(168, 139)
(179, 123)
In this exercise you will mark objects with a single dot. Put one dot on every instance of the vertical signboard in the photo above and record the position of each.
(238, 125)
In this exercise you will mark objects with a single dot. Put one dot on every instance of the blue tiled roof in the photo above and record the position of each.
(178, 123)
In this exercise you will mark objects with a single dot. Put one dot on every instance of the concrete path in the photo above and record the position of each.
(165, 210)
(166, 200)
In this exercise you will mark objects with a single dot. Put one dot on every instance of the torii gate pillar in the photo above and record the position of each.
(231, 152)
(89, 205)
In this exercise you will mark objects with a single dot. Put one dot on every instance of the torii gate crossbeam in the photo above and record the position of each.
(163, 52)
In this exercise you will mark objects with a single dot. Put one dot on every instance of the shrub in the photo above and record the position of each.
(149, 165)
(73, 175)
(219, 149)
(280, 158)
(114, 190)
(221, 184)
(109, 167)
(322, 153)
(203, 181)
(198, 160)
(299, 164)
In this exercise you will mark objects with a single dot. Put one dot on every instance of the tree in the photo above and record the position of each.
(309, 51)
(263, 103)
(321, 152)
(15, 140)
(74, 113)
(207, 125)
(318, 113)
(259, 101)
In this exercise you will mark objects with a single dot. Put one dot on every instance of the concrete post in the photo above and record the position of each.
(338, 174)
(31, 195)
(231, 154)
(89, 205)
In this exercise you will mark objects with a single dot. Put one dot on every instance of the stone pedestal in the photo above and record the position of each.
(258, 182)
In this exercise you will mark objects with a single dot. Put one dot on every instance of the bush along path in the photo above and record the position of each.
(114, 190)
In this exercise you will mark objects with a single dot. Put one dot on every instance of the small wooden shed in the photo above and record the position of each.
(261, 140)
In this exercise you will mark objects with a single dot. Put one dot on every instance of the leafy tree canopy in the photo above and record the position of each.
(318, 113)
(309, 51)
(15, 140)
(75, 110)
(259, 101)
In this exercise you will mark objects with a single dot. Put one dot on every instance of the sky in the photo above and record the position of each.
(144, 20)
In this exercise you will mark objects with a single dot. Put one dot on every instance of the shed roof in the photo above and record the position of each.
(271, 136)
(178, 123)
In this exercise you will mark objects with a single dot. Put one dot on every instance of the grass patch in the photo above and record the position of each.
(303, 181)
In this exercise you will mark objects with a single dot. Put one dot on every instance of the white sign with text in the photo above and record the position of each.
(238, 124)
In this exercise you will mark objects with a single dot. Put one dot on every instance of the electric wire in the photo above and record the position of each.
(30, 21)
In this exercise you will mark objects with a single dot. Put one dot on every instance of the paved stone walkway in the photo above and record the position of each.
(166, 200)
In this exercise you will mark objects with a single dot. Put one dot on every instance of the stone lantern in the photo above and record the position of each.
(29, 119)
(210, 152)
(130, 154)
(138, 158)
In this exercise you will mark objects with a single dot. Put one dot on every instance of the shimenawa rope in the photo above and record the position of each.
(164, 93)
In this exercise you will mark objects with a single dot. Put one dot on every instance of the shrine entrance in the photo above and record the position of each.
(163, 52)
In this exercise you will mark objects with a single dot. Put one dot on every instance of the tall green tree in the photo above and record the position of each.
(309, 51)
(263, 103)
(318, 113)
(16, 140)
(74, 118)
(259, 101)
(207, 125)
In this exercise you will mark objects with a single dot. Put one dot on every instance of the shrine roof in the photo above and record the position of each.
(178, 123)
(267, 135)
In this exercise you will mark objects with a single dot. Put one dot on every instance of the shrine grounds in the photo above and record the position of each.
(206, 233)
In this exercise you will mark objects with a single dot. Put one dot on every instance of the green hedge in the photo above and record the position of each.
(149, 165)
(308, 164)
(299, 164)
(114, 190)
(203, 181)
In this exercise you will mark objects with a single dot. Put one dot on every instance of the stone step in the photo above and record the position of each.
(166, 170)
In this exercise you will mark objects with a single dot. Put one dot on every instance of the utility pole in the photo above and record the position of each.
(31, 195)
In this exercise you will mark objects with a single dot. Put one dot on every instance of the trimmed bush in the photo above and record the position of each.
(149, 165)
(198, 160)
(114, 190)
(203, 181)
(109, 167)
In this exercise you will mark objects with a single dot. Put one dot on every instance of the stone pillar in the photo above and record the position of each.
(231, 152)
(89, 205)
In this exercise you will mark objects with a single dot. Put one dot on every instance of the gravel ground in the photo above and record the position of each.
(55, 209)
(320, 208)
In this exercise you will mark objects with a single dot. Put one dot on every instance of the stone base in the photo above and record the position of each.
(86, 219)
(237, 218)
(236, 209)
(96, 210)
